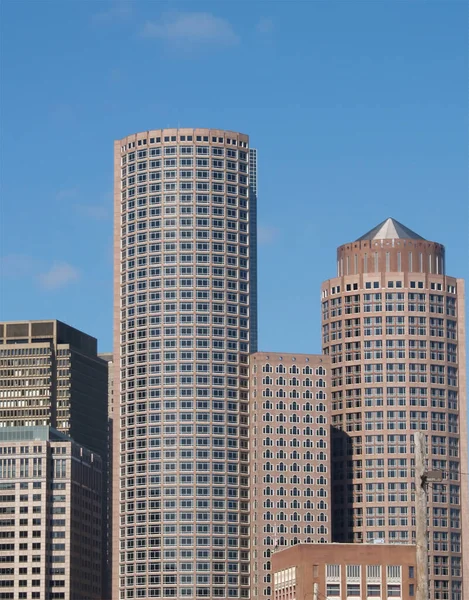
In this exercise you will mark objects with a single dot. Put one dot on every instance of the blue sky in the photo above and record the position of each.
(359, 111)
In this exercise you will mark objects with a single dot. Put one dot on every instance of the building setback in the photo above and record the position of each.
(108, 358)
(51, 516)
(345, 571)
(393, 328)
(290, 464)
(184, 324)
(51, 375)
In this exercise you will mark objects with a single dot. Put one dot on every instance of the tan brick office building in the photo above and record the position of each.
(50, 516)
(393, 329)
(51, 375)
(341, 571)
(290, 452)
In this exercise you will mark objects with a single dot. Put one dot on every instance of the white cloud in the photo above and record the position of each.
(118, 10)
(191, 28)
(265, 25)
(266, 234)
(59, 275)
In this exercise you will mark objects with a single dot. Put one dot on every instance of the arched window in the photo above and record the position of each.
(267, 368)
(294, 369)
(280, 369)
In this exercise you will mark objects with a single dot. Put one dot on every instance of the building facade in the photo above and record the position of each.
(51, 375)
(340, 571)
(393, 329)
(108, 358)
(290, 457)
(50, 516)
(184, 314)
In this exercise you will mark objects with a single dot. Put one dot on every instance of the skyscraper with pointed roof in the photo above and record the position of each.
(393, 328)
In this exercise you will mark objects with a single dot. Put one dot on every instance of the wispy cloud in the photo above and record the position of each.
(67, 194)
(191, 28)
(266, 234)
(265, 25)
(97, 212)
(59, 275)
(119, 10)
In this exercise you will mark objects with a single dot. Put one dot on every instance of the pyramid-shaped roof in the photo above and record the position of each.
(388, 230)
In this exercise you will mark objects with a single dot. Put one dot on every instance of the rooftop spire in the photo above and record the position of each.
(390, 229)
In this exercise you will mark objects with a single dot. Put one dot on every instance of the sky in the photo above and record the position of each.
(358, 109)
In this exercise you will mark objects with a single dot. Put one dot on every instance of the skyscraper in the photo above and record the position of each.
(51, 375)
(183, 328)
(393, 328)
(290, 458)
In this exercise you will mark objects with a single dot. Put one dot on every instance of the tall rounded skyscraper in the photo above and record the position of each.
(393, 327)
(185, 321)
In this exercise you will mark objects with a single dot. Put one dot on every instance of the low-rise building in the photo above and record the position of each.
(344, 571)
(50, 516)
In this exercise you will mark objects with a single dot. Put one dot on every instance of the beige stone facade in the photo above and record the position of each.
(51, 375)
(50, 516)
(184, 324)
(290, 457)
(345, 571)
(393, 328)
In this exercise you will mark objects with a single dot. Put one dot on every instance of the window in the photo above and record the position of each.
(353, 589)
(394, 590)
(353, 571)
(332, 571)
(333, 590)
(393, 572)
(373, 590)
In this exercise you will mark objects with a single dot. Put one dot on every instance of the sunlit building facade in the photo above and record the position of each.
(290, 458)
(393, 329)
(184, 311)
